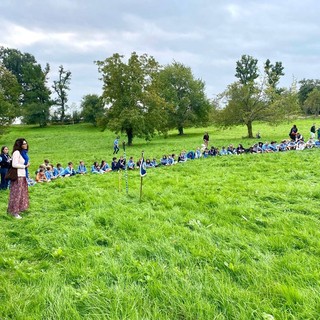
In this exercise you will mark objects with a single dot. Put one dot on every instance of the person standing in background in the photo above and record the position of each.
(19, 196)
(116, 145)
(5, 163)
(206, 139)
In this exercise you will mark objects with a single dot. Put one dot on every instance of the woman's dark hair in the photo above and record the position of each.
(18, 145)
(2, 149)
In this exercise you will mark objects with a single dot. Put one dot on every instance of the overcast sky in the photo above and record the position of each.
(207, 35)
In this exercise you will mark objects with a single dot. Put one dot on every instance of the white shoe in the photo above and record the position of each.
(17, 216)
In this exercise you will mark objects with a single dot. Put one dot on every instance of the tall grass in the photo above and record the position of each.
(233, 237)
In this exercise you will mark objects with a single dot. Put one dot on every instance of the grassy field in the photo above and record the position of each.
(233, 237)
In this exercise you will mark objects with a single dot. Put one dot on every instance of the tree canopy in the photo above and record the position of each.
(92, 108)
(187, 104)
(132, 103)
(312, 103)
(9, 97)
(34, 95)
(306, 87)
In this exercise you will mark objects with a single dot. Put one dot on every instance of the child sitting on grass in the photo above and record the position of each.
(81, 168)
(41, 176)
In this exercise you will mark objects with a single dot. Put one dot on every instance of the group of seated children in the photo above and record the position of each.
(259, 147)
(47, 172)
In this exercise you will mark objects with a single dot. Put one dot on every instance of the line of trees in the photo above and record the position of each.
(141, 98)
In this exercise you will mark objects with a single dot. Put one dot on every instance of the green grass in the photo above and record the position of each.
(233, 237)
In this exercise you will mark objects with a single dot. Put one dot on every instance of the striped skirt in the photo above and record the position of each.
(19, 196)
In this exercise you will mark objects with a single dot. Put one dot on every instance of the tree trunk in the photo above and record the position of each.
(180, 129)
(249, 127)
(130, 136)
(62, 113)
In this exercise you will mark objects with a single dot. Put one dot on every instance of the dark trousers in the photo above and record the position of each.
(4, 182)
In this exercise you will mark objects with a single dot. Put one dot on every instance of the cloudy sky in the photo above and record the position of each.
(207, 35)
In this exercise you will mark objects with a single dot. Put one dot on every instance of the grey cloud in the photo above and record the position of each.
(209, 36)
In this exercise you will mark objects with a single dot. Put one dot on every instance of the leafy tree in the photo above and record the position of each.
(34, 94)
(245, 105)
(312, 103)
(92, 108)
(15, 61)
(283, 104)
(61, 88)
(249, 100)
(187, 104)
(132, 103)
(306, 86)
(9, 97)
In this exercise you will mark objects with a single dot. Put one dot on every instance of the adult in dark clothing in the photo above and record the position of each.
(4, 166)
(293, 132)
(206, 139)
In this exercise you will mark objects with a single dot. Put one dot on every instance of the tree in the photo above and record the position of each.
(187, 104)
(61, 88)
(34, 94)
(312, 103)
(249, 100)
(16, 61)
(9, 98)
(306, 86)
(283, 104)
(92, 108)
(132, 103)
(245, 105)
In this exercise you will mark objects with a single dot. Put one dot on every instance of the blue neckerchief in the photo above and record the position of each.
(24, 154)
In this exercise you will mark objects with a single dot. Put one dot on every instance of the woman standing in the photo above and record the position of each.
(5, 165)
(19, 197)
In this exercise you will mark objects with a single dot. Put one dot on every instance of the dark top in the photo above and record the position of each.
(6, 161)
